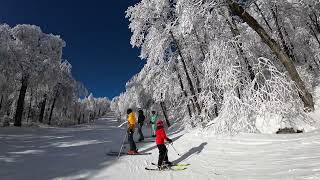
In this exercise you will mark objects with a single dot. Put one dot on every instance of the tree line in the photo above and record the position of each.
(36, 84)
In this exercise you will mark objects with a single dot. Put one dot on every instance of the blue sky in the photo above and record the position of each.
(96, 33)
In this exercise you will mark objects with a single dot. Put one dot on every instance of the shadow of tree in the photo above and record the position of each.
(194, 150)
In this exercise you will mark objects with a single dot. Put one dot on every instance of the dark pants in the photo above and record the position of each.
(163, 154)
(131, 141)
(140, 132)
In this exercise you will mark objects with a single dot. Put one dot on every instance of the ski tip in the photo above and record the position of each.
(124, 153)
(166, 169)
(151, 169)
(178, 164)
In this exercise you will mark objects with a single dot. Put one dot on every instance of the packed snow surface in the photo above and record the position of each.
(80, 153)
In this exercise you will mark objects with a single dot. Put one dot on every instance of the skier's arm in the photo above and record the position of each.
(165, 137)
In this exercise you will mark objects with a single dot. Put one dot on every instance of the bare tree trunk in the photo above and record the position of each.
(43, 107)
(291, 46)
(51, 110)
(307, 62)
(164, 111)
(192, 90)
(263, 16)
(193, 67)
(20, 104)
(193, 105)
(305, 96)
(235, 32)
(66, 111)
(216, 110)
(314, 60)
(79, 118)
(30, 103)
(317, 24)
(1, 102)
(195, 73)
(83, 118)
(184, 91)
(201, 46)
(90, 116)
(202, 59)
(315, 21)
(314, 34)
(283, 42)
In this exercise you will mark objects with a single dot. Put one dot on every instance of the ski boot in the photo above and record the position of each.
(163, 167)
(167, 163)
(132, 152)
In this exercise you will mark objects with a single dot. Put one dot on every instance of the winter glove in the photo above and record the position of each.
(130, 130)
(169, 140)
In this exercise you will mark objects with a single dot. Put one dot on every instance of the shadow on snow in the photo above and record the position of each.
(194, 150)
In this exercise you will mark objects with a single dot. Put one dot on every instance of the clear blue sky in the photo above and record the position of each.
(96, 33)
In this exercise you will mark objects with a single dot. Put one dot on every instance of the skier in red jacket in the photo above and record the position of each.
(163, 151)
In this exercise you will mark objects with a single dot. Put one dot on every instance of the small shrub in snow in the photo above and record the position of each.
(288, 131)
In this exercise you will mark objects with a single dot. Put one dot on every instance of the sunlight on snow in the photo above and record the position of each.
(6, 159)
(77, 143)
(83, 175)
(28, 152)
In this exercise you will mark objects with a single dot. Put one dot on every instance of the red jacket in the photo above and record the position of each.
(160, 136)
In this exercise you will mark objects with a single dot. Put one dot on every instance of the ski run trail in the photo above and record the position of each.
(80, 153)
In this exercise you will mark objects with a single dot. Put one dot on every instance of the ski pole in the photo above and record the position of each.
(125, 137)
(175, 149)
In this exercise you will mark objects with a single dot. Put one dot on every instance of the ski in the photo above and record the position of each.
(179, 165)
(166, 169)
(112, 153)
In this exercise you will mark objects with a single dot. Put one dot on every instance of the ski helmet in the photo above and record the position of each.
(159, 123)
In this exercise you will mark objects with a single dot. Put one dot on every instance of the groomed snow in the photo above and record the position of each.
(79, 153)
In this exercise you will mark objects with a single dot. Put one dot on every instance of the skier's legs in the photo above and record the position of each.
(134, 147)
(162, 154)
(154, 127)
(131, 141)
(141, 137)
(139, 131)
(166, 154)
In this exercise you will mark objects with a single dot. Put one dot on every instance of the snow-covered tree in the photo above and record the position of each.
(225, 60)
(36, 84)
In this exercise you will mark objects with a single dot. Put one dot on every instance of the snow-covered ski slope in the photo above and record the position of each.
(246, 156)
(80, 153)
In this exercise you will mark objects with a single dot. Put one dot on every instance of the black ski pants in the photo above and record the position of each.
(141, 137)
(163, 154)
